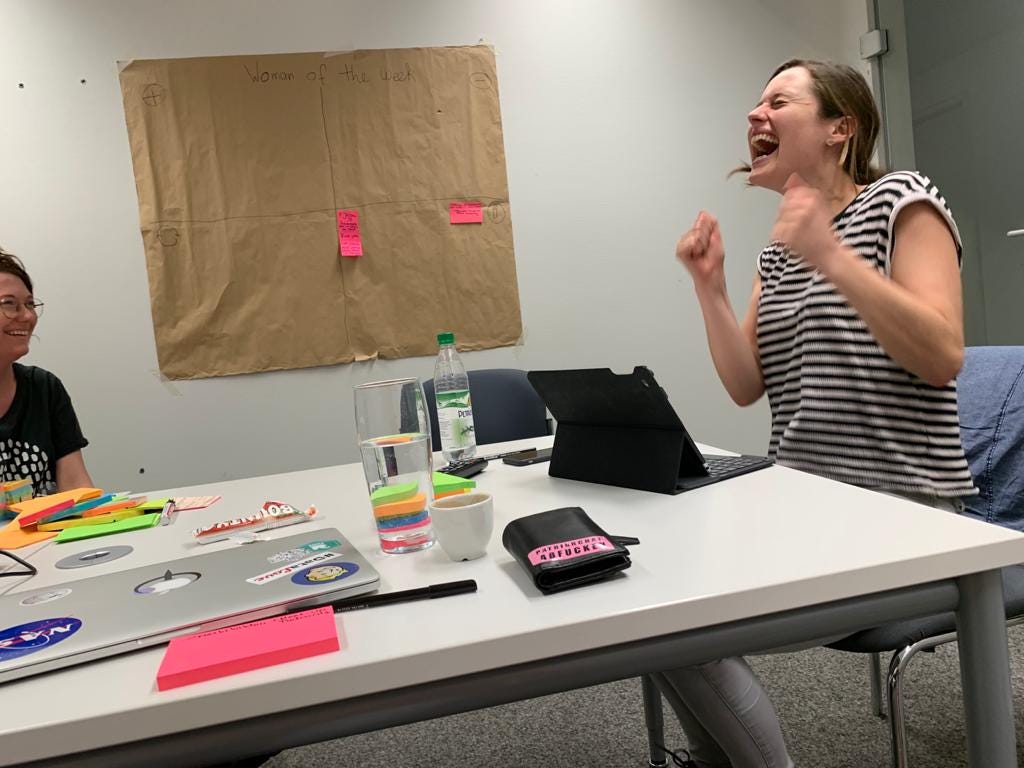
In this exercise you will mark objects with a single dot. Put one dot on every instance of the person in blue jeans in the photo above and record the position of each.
(854, 330)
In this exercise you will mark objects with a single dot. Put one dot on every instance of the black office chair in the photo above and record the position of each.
(991, 399)
(505, 407)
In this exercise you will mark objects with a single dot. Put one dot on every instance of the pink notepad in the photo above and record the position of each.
(222, 652)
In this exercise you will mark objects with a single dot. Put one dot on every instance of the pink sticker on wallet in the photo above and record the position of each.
(348, 233)
(569, 550)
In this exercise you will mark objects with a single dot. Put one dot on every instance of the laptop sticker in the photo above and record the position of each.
(305, 549)
(45, 597)
(167, 583)
(290, 568)
(94, 556)
(35, 636)
(323, 574)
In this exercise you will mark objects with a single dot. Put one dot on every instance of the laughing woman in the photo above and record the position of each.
(853, 329)
(40, 438)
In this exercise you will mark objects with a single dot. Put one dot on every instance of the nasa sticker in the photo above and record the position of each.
(323, 574)
(35, 636)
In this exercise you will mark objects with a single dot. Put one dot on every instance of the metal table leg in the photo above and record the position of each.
(985, 671)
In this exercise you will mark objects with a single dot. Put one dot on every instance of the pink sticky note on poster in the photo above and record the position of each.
(228, 651)
(466, 213)
(348, 233)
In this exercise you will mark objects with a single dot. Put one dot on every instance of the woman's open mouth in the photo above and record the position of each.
(762, 146)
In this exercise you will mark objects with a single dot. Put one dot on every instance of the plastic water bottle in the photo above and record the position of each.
(454, 409)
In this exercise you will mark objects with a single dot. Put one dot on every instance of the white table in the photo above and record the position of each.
(766, 559)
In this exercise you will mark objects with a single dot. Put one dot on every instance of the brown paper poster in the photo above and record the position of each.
(242, 164)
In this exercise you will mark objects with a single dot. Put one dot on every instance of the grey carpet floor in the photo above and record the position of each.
(822, 697)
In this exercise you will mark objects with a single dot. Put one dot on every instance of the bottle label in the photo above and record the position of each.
(455, 418)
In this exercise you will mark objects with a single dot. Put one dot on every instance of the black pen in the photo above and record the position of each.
(402, 596)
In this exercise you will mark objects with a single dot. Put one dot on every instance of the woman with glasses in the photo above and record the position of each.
(40, 438)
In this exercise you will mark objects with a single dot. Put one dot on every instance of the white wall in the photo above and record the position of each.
(621, 120)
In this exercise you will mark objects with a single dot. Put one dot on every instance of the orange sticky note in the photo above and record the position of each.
(404, 507)
(466, 213)
(228, 651)
(348, 233)
(111, 507)
(446, 494)
(13, 536)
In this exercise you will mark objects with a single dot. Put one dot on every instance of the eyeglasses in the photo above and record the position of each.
(31, 569)
(11, 307)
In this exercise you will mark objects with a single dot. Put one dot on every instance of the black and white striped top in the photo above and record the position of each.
(841, 407)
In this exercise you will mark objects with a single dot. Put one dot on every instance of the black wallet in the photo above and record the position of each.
(564, 548)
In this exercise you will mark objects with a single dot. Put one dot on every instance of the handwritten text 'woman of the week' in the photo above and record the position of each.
(348, 73)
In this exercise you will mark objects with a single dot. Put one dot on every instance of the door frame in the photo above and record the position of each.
(890, 72)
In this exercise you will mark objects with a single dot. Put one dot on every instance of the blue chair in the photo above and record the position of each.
(991, 405)
(991, 402)
(991, 388)
(505, 407)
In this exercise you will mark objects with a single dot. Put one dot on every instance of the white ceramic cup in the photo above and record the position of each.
(463, 524)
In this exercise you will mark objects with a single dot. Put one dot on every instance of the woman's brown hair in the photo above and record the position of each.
(842, 91)
(12, 265)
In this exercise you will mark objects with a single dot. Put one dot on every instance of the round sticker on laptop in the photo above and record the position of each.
(45, 597)
(35, 636)
(325, 573)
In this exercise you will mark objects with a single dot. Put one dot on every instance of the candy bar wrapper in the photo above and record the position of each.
(273, 514)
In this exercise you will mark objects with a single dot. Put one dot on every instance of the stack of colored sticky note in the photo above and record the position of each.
(450, 485)
(12, 492)
(83, 513)
(400, 508)
(403, 507)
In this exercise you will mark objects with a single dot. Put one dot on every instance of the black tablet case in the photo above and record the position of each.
(617, 430)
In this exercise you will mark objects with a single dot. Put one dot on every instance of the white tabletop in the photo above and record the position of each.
(769, 541)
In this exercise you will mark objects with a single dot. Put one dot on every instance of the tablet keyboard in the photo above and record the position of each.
(727, 465)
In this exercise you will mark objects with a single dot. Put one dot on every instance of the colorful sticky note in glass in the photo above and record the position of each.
(392, 493)
(243, 647)
(466, 213)
(348, 233)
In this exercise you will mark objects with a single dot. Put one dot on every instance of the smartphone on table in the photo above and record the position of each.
(525, 458)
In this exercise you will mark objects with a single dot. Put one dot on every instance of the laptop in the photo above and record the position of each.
(622, 430)
(66, 624)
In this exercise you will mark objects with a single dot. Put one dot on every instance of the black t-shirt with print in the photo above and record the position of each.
(39, 428)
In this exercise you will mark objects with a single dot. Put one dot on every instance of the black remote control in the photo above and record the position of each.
(466, 468)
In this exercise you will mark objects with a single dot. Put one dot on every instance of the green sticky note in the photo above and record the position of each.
(444, 483)
(128, 524)
(155, 505)
(392, 493)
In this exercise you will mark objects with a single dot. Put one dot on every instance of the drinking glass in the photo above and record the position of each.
(393, 431)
